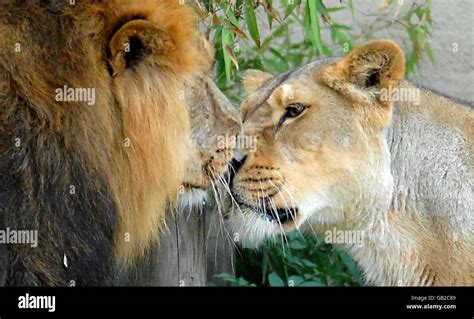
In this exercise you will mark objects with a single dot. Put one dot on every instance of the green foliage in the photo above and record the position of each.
(276, 36)
(235, 281)
(418, 25)
(295, 261)
(280, 35)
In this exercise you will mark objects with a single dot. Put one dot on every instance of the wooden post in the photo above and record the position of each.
(191, 253)
(220, 249)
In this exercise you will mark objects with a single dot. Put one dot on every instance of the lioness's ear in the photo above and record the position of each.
(367, 70)
(254, 79)
(140, 39)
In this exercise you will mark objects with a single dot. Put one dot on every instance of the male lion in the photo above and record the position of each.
(94, 132)
(214, 122)
(336, 151)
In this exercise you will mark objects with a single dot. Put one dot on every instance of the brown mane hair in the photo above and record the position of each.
(93, 180)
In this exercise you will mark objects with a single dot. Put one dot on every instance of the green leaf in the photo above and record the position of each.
(351, 6)
(429, 52)
(220, 63)
(247, 244)
(227, 40)
(229, 13)
(283, 63)
(297, 244)
(351, 265)
(312, 283)
(315, 36)
(269, 16)
(308, 263)
(322, 9)
(225, 276)
(292, 260)
(335, 9)
(241, 282)
(291, 7)
(236, 282)
(275, 34)
(275, 281)
(295, 280)
(265, 263)
(251, 20)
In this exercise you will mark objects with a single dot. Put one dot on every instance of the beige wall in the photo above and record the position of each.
(453, 73)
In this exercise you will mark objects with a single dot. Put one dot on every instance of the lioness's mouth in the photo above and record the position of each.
(281, 215)
(276, 215)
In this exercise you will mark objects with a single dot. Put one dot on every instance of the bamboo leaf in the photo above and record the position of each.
(273, 13)
(229, 13)
(291, 8)
(251, 20)
(351, 7)
(321, 8)
(238, 32)
(429, 52)
(227, 39)
(312, 12)
(232, 57)
(269, 17)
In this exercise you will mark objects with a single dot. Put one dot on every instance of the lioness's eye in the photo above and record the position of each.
(293, 110)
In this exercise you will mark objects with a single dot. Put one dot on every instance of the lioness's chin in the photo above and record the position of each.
(250, 225)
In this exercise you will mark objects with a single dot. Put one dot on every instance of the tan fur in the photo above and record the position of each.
(214, 122)
(151, 186)
(147, 174)
(399, 172)
(254, 79)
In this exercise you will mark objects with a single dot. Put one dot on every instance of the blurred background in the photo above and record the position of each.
(277, 35)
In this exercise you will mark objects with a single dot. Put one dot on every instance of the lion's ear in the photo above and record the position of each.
(254, 79)
(140, 39)
(367, 70)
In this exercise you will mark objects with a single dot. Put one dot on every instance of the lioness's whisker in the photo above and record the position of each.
(228, 190)
(221, 218)
(219, 208)
(283, 233)
(290, 208)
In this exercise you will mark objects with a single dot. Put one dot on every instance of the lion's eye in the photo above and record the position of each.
(293, 110)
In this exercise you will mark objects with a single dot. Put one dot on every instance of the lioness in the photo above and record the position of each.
(340, 149)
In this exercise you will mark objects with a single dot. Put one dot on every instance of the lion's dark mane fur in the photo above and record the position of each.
(39, 162)
(64, 169)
